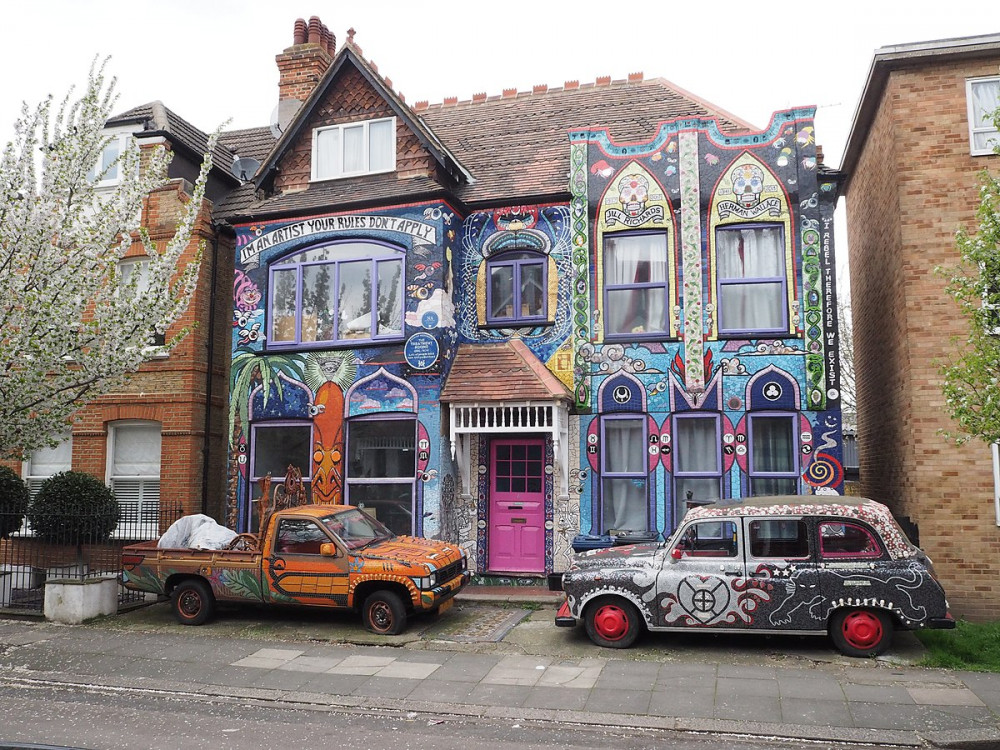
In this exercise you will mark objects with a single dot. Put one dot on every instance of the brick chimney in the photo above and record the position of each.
(302, 65)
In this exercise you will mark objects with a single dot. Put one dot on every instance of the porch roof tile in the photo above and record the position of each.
(507, 371)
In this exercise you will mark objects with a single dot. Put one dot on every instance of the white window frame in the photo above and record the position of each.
(140, 264)
(975, 128)
(338, 171)
(148, 529)
(34, 481)
(120, 137)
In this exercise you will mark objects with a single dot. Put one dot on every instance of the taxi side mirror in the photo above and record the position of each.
(328, 549)
(676, 554)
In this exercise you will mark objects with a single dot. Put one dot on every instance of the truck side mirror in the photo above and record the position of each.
(328, 549)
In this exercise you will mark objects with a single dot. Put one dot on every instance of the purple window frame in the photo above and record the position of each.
(643, 473)
(348, 480)
(665, 285)
(678, 474)
(751, 470)
(253, 478)
(751, 280)
(505, 260)
(392, 254)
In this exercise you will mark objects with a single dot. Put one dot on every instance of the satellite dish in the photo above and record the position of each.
(282, 115)
(244, 169)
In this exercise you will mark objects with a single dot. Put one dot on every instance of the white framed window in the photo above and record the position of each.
(983, 98)
(354, 148)
(107, 171)
(140, 266)
(134, 477)
(41, 465)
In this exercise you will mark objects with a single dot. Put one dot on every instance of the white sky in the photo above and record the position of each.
(212, 60)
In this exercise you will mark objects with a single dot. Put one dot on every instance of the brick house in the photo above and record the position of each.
(528, 321)
(916, 145)
(159, 440)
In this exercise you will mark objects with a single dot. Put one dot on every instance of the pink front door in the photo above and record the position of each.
(517, 506)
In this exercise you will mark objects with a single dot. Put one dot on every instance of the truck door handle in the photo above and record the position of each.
(734, 573)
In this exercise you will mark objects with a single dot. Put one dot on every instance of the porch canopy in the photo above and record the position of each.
(505, 389)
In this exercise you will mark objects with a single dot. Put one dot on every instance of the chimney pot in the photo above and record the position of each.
(299, 34)
(315, 30)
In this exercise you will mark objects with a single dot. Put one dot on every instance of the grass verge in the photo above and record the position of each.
(970, 646)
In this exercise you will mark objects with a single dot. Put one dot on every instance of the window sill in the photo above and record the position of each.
(626, 338)
(313, 346)
(313, 180)
(494, 325)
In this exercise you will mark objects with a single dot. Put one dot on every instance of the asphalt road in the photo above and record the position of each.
(98, 718)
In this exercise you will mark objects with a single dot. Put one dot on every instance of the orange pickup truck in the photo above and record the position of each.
(310, 555)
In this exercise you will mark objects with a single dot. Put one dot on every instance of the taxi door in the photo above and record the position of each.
(698, 585)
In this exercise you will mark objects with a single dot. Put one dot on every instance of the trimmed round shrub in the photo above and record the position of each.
(14, 498)
(73, 508)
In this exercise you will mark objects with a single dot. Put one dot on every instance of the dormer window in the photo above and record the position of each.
(517, 288)
(107, 171)
(355, 148)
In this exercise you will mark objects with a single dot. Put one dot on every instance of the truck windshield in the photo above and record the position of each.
(356, 529)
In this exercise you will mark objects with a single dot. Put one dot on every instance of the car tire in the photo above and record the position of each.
(861, 632)
(384, 613)
(193, 602)
(612, 622)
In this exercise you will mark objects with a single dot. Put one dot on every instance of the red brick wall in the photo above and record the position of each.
(173, 391)
(914, 185)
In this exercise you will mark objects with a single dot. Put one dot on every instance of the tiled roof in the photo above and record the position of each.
(515, 145)
(160, 118)
(501, 372)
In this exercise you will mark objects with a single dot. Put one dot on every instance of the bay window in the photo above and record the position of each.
(338, 293)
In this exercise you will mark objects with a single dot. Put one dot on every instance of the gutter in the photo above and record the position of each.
(206, 449)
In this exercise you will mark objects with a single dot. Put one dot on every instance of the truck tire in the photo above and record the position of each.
(612, 622)
(384, 613)
(192, 601)
(861, 632)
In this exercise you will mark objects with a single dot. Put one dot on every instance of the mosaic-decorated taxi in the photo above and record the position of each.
(794, 565)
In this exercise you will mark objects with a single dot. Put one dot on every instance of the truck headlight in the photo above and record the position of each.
(427, 582)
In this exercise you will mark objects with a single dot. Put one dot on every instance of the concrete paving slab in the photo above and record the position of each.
(726, 687)
(578, 678)
(408, 670)
(310, 664)
(333, 684)
(277, 653)
(279, 679)
(385, 687)
(817, 712)
(446, 691)
(466, 667)
(877, 694)
(488, 694)
(560, 698)
(746, 671)
(748, 707)
(684, 701)
(617, 701)
(818, 688)
(517, 670)
(944, 697)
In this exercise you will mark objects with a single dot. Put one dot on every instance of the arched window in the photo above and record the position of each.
(340, 293)
(517, 288)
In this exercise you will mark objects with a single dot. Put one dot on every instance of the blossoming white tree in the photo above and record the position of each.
(72, 325)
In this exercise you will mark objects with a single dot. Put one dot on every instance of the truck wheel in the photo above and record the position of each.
(612, 622)
(193, 602)
(861, 632)
(384, 613)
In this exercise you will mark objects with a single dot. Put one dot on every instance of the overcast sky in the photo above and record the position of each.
(213, 60)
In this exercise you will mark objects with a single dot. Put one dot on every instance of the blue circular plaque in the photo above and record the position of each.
(421, 351)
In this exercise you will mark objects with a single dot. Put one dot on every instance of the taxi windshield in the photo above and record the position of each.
(356, 529)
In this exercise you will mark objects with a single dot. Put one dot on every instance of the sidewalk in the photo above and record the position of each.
(796, 688)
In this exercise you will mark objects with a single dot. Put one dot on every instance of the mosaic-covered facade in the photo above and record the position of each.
(676, 297)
